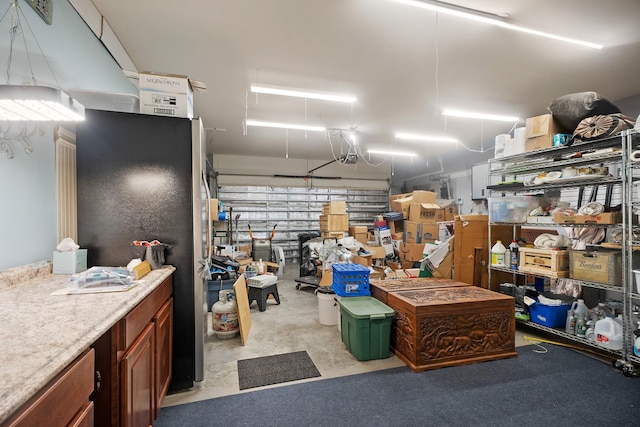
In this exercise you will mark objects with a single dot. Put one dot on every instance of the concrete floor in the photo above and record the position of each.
(291, 326)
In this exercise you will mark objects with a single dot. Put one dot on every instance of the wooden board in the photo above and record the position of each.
(244, 313)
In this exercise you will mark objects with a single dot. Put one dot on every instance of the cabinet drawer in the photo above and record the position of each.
(63, 399)
(143, 313)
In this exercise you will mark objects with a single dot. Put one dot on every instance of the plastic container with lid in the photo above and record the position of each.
(366, 327)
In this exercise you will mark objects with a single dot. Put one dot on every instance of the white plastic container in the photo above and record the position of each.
(637, 274)
(327, 307)
(579, 307)
(498, 255)
(608, 333)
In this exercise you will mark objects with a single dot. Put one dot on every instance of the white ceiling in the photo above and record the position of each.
(404, 64)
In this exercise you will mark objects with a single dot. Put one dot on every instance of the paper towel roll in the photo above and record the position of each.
(635, 156)
(519, 139)
(500, 144)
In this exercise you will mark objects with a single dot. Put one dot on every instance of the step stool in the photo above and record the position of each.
(260, 287)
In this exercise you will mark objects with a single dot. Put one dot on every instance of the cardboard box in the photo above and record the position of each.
(450, 213)
(411, 251)
(396, 226)
(337, 207)
(215, 206)
(398, 196)
(542, 125)
(69, 262)
(426, 212)
(359, 232)
(383, 238)
(420, 196)
(377, 252)
(165, 94)
(401, 205)
(418, 232)
(538, 143)
(334, 222)
(603, 218)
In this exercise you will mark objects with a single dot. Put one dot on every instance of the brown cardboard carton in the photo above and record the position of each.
(359, 232)
(418, 232)
(426, 212)
(542, 125)
(411, 251)
(420, 196)
(402, 205)
(538, 143)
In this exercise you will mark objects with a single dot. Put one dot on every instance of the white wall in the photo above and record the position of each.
(27, 182)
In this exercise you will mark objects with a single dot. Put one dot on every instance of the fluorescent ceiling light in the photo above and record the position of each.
(415, 137)
(300, 93)
(482, 116)
(489, 18)
(41, 103)
(284, 125)
(392, 153)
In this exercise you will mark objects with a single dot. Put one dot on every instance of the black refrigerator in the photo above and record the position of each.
(142, 177)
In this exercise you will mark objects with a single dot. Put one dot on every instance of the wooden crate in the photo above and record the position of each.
(592, 266)
(334, 222)
(339, 207)
(434, 328)
(332, 234)
(603, 218)
(381, 288)
(548, 262)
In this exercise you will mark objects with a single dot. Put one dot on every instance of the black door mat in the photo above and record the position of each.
(277, 369)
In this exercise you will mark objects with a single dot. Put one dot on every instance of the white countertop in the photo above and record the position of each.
(40, 333)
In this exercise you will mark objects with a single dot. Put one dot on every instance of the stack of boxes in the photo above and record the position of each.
(421, 214)
(539, 132)
(334, 220)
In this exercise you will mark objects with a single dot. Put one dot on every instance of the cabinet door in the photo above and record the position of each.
(137, 365)
(163, 324)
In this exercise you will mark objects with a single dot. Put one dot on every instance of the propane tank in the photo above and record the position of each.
(224, 314)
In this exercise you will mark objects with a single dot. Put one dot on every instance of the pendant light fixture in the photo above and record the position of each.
(33, 102)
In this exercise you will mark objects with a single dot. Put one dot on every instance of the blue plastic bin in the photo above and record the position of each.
(551, 316)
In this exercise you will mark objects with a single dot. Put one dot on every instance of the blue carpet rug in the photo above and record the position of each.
(557, 388)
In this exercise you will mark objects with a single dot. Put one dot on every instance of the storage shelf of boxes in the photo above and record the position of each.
(588, 270)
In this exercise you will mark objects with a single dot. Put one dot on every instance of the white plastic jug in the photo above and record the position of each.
(579, 307)
(608, 333)
(498, 252)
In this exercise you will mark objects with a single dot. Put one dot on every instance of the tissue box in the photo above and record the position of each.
(69, 262)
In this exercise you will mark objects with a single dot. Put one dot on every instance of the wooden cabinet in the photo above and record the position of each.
(163, 325)
(138, 372)
(62, 402)
(135, 357)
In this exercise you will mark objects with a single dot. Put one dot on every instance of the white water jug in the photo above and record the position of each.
(579, 307)
(608, 333)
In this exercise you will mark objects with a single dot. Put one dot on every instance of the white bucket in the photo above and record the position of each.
(327, 307)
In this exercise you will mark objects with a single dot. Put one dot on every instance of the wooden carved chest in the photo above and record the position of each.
(380, 288)
(434, 328)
